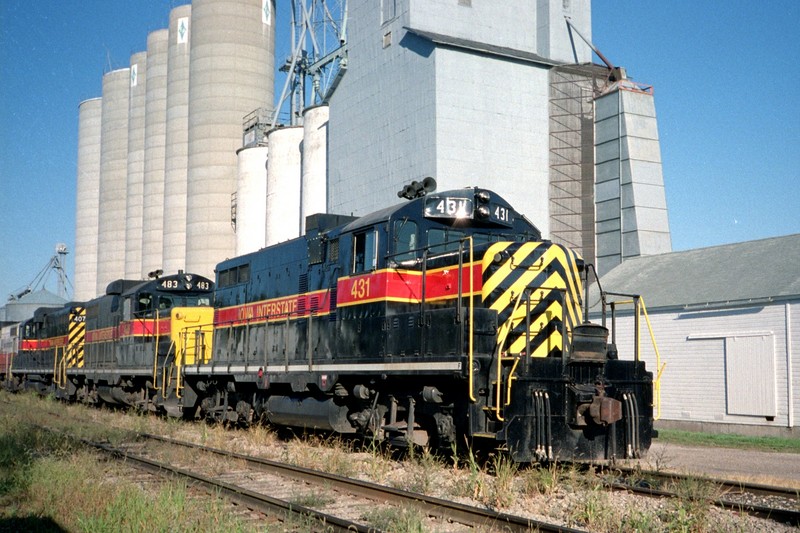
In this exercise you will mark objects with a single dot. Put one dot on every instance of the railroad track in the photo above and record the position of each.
(776, 503)
(443, 510)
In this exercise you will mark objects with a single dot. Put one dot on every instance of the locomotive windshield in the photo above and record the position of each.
(147, 304)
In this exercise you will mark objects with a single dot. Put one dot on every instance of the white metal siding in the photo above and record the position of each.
(695, 381)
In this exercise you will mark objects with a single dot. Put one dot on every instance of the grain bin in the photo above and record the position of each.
(231, 74)
(176, 139)
(154, 148)
(251, 199)
(87, 198)
(135, 180)
(283, 184)
(314, 186)
(113, 178)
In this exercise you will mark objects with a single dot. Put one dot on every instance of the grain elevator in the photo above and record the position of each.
(195, 154)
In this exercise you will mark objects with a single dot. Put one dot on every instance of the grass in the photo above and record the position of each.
(48, 483)
(691, 438)
(396, 520)
(36, 466)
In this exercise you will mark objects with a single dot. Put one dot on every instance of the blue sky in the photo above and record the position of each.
(726, 78)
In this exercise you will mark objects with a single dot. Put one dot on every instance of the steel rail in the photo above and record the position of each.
(464, 514)
(781, 514)
(260, 502)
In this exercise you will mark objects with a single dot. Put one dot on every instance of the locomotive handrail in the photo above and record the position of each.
(59, 368)
(638, 304)
(502, 335)
(471, 345)
(155, 353)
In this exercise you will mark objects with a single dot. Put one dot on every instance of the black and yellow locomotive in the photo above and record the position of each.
(443, 319)
(122, 348)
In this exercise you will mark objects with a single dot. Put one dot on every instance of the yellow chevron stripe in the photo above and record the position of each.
(523, 281)
(76, 336)
(541, 322)
(553, 341)
(506, 268)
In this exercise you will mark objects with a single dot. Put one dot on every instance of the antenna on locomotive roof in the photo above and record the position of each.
(417, 189)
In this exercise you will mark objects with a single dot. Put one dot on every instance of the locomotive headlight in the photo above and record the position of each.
(483, 211)
(482, 196)
(500, 258)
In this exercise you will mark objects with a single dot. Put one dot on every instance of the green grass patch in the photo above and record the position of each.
(396, 519)
(50, 482)
(691, 438)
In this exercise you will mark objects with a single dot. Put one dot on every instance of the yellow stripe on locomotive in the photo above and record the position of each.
(535, 287)
(76, 337)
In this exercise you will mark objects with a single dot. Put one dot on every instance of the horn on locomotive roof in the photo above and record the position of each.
(417, 189)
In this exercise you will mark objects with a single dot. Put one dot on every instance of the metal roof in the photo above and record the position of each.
(744, 273)
(485, 48)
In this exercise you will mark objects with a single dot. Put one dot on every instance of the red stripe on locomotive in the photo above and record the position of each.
(406, 285)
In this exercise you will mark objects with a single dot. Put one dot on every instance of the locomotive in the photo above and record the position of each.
(442, 320)
(119, 348)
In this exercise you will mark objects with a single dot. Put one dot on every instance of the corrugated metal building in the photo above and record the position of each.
(727, 325)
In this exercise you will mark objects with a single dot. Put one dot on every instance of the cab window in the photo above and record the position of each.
(164, 303)
(405, 239)
(144, 304)
(365, 256)
(444, 240)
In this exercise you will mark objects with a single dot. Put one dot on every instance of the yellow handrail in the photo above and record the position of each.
(502, 335)
(56, 377)
(155, 355)
(659, 366)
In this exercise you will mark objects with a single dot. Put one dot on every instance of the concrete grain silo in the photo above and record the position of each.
(231, 74)
(314, 185)
(87, 198)
(113, 178)
(283, 184)
(251, 199)
(176, 140)
(135, 182)
(154, 148)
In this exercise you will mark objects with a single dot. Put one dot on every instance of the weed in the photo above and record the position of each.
(379, 463)
(594, 510)
(502, 493)
(424, 468)
(542, 480)
(396, 520)
(695, 497)
(473, 485)
(639, 520)
(314, 500)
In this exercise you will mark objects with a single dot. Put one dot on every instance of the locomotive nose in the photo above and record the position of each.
(535, 289)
